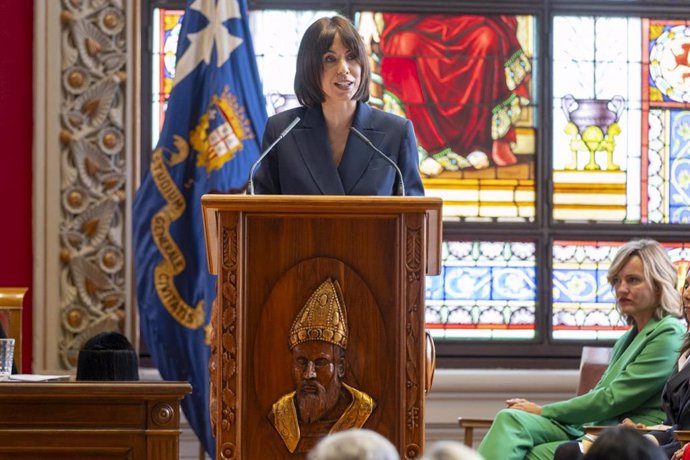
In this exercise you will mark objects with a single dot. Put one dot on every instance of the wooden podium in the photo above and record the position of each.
(270, 254)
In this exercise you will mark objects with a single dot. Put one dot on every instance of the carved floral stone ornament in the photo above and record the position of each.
(93, 171)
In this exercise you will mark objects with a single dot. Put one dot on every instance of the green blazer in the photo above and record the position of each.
(631, 385)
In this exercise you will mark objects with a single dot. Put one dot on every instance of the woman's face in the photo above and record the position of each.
(341, 74)
(634, 294)
(686, 297)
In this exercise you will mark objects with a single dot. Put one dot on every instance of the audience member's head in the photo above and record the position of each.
(108, 356)
(659, 273)
(451, 450)
(355, 444)
(623, 443)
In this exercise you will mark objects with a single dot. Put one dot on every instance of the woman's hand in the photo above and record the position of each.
(524, 405)
(678, 455)
(627, 422)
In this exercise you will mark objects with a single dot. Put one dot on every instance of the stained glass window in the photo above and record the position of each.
(166, 26)
(486, 290)
(617, 150)
(621, 121)
(467, 84)
(583, 301)
(276, 35)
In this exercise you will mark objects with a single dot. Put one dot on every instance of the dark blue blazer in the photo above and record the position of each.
(302, 162)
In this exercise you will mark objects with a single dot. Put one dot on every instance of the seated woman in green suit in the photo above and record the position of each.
(675, 400)
(643, 279)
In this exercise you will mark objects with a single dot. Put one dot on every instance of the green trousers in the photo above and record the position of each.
(519, 435)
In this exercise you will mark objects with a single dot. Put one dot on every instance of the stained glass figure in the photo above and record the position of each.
(466, 82)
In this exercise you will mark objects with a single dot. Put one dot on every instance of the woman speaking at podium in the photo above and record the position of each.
(335, 144)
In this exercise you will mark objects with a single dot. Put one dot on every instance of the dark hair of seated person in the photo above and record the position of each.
(569, 451)
(623, 443)
(107, 356)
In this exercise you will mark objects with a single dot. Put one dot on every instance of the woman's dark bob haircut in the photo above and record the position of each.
(317, 40)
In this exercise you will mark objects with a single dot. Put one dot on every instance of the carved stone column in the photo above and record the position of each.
(83, 167)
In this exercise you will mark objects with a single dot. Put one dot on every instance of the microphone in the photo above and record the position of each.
(401, 183)
(250, 185)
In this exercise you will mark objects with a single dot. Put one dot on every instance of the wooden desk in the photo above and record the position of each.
(681, 435)
(90, 420)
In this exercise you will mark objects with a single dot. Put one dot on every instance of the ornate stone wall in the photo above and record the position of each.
(93, 172)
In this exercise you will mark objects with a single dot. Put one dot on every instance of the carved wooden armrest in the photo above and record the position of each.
(469, 424)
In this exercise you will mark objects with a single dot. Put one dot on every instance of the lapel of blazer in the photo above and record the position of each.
(312, 142)
(625, 354)
(357, 154)
(679, 397)
(677, 379)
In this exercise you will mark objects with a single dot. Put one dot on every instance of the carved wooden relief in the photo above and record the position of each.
(321, 402)
(226, 428)
(299, 318)
(413, 335)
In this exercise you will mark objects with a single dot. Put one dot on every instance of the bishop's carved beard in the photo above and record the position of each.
(314, 400)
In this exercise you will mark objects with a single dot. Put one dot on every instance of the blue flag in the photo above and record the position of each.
(210, 138)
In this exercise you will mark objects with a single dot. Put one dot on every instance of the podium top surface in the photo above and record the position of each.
(335, 204)
(324, 205)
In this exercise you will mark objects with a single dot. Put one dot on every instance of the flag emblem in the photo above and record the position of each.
(220, 132)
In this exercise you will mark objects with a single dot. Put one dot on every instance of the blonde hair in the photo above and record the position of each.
(658, 270)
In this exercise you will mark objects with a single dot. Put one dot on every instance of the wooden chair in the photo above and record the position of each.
(11, 302)
(593, 363)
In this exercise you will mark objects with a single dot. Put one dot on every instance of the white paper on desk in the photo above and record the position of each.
(658, 427)
(36, 378)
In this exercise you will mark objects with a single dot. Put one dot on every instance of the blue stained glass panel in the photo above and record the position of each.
(488, 283)
(467, 283)
(434, 289)
(584, 304)
(514, 283)
(486, 289)
(575, 285)
(679, 169)
(604, 293)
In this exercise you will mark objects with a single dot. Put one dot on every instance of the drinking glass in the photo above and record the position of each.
(6, 358)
